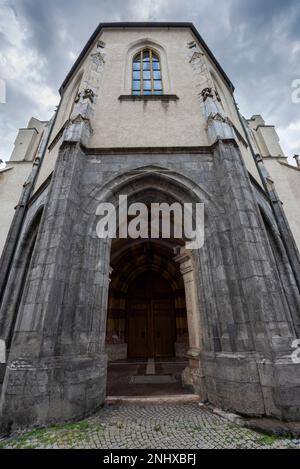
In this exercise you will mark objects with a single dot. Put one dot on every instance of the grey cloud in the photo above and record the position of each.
(252, 40)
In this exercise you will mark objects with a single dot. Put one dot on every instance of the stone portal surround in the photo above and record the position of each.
(192, 375)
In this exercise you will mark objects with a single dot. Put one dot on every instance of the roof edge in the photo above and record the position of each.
(145, 25)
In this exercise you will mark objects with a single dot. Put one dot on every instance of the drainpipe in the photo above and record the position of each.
(21, 209)
(293, 256)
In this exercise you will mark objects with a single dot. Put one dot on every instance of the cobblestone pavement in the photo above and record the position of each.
(150, 427)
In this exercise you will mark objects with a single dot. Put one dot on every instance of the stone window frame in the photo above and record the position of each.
(160, 50)
(154, 58)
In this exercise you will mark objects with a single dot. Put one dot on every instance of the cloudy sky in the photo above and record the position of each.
(257, 43)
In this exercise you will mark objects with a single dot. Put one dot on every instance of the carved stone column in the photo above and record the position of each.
(79, 128)
(193, 375)
(218, 124)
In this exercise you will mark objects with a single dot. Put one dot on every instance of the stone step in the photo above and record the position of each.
(150, 369)
(154, 400)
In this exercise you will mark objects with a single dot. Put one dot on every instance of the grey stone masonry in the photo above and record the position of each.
(57, 363)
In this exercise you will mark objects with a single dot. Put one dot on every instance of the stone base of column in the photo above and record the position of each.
(280, 381)
(116, 351)
(51, 390)
(251, 385)
(193, 377)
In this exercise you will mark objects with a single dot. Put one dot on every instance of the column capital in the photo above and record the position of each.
(194, 353)
(110, 273)
(184, 258)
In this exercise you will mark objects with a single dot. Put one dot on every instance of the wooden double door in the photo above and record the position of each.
(150, 318)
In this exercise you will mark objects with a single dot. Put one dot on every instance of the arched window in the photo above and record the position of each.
(146, 73)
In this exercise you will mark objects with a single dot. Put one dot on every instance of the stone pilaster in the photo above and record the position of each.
(218, 125)
(253, 380)
(193, 375)
(56, 369)
(79, 128)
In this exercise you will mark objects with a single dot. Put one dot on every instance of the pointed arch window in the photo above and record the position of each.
(146, 73)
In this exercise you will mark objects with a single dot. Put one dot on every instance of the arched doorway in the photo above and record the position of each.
(147, 320)
(151, 326)
(124, 259)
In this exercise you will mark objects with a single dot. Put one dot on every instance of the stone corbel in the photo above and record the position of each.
(98, 58)
(85, 94)
(83, 104)
(77, 99)
(206, 93)
(191, 45)
(88, 94)
(219, 128)
(196, 56)
(37, 161)
(218, 125)
(101, 45)
(78, 130)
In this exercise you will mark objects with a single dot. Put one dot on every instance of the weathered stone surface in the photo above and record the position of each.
(243, 309)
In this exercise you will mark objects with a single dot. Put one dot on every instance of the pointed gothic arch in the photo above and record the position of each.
(160, 50)
(146, 73)
(283, 268)
(17, 281)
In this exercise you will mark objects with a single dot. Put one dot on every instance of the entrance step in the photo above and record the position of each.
(150, 369)
(153, 379)
(154, 400)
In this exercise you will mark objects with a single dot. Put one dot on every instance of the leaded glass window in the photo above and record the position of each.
(146, 73)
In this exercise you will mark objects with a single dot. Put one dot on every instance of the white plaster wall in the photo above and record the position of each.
(155, 124)
(287, 185)
(144, 124)
(269, 141)
(266, 137)
(63, 114)
(48, 164)
(27, 141)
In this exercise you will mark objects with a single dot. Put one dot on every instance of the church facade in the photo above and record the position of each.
(148, 112)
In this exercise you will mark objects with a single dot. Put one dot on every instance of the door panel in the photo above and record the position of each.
(151, 318)
(138, 330)
(163, 328)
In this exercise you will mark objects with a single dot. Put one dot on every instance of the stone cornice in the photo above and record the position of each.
(147, 150)
(154, 97)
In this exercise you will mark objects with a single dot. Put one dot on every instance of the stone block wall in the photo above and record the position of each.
(57, 362)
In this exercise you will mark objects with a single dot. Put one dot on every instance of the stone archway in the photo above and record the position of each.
(148, 185)
(147, 316)
(145, 275)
